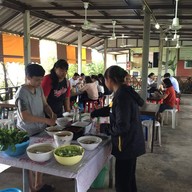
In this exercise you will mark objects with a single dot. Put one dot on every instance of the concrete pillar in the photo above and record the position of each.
(105, 54)
(167, 57)
(80, 52)
(27, 43)
(177, 59)
(145, 59)
(160, 58)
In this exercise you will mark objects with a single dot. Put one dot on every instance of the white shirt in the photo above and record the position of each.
(175, 84)
(150, 81)
(73, 82)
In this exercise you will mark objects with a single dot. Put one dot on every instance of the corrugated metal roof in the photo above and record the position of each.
(69, 15)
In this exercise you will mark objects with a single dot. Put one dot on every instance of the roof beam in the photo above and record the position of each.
(103, 8)
(84, 42)
(9, 19)
(75, 39)
(36, 24)
(189, 17)
(98, 8)
(66, 35)
(97, 42)
(50, 32)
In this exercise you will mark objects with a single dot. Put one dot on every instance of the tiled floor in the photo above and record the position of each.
(168, 169)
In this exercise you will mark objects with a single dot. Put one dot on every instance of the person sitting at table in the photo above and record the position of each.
(168, 97)
(100, 86)
(31, 108)
(125, 129)
(174, 82)
(57, 88)
(73, 87)
(151, 83)
(88, 91)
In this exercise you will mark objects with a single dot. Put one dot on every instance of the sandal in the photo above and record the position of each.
(46, 188)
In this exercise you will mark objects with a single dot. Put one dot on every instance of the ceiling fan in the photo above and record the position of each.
(177, 45)
(175, 23)
(86, 24)
(113, 36)
(169, 37)
(122, 41)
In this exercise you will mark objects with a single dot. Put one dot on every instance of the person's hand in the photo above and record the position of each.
(50, 122)
(54, 116)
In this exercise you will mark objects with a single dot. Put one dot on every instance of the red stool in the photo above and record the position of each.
(91, 105)
(177, 103)
(101, 101)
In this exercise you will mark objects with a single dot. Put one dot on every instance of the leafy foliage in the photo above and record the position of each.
(87, 69)
(93, 68)
(10, 137)
(172, 65)
(73, 68)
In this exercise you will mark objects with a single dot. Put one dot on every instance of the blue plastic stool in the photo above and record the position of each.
(11, 190)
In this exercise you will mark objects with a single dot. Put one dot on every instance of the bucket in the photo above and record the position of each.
(11, 190)
(99, 182)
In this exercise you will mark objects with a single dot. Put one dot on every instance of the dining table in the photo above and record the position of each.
(7, 103)
(6, 106)
(84, 172)
(151, 110)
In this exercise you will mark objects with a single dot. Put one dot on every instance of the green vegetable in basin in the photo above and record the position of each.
(69, 151)
(10, 137)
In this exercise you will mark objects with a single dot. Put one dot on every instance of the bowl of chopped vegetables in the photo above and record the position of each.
(68, 154)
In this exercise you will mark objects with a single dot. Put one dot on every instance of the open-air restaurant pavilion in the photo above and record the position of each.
(137, 30)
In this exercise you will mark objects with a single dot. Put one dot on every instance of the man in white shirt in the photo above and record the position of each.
(173, 81)
(74, 80)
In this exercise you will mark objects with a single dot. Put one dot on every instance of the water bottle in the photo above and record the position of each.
(76, 115)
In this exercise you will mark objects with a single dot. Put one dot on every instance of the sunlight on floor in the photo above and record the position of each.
(3, 167)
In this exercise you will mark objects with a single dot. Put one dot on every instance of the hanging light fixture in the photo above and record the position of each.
(175, 23)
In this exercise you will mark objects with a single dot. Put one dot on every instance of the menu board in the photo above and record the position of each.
(185, 53)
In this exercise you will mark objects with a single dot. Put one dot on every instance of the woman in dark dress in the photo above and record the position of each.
(57, 88)
(125, 128)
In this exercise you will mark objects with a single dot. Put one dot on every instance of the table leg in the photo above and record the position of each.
(111, 172)
(76, 190)
(25, 180)
(153, 133)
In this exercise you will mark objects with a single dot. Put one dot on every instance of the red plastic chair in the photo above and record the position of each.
(90, 104)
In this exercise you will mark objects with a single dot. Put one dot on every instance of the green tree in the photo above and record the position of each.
(171, 65)
(93, 68)
(73, 68)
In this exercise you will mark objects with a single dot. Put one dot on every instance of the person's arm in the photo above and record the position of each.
(47, 109)
(164, 96)
(28, 117)
(46, 86)
(67, 100)
(102, 112)
(84, 88)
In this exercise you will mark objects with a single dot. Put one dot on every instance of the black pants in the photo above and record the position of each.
(125, 180)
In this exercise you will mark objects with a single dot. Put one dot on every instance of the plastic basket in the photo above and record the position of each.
(10, 190)
(99, 182)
